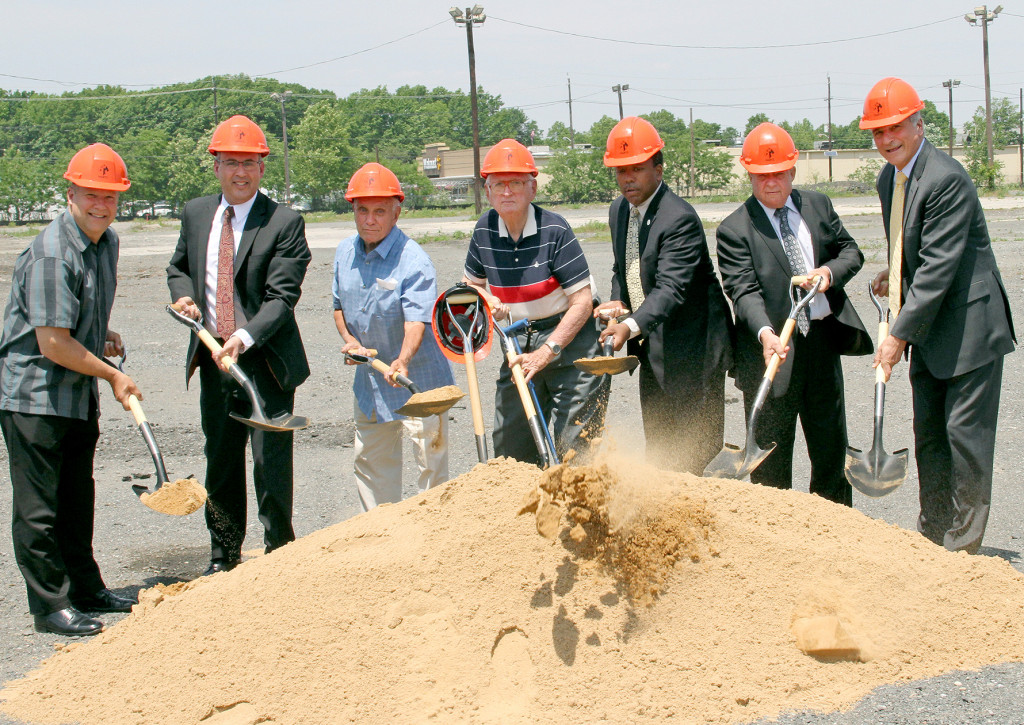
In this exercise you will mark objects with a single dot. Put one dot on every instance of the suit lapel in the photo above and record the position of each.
(915, 176)
(767, 232)
(652, 211)
(252, 225)
(621, 230)
(809, 218)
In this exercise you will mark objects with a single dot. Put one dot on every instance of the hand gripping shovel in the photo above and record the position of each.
(419, 404)
(735, 462)
(608, 364)
(532, 417)
(462, 324)
(279, 423)
(877, 473)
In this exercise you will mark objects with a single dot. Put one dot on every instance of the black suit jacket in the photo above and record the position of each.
(955, 311)
(756, 274)
(685, 324)
(270, 265)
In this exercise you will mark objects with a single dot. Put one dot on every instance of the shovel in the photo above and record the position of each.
(608, 364)
(532, 418)
(279, 423)
(877, 473)
(737, 463)
(419, 404)
(183, 496)
(465, 329)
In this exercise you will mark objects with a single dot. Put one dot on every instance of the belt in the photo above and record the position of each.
(546, 323)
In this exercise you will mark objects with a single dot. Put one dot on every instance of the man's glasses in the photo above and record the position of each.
(514, 186)
(232, 164)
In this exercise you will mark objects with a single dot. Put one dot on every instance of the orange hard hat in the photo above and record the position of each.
(239, 135)
(767, 149)
(510, 157)
(372, 179)
(98, 167)
(633, 140)
(462, 320)
(890, 101)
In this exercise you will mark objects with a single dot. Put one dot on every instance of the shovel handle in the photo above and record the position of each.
(385, 370)
(776, 361)
(136, 407)
(883, 332)
(466, 298)
(215, 347)
(800, 279)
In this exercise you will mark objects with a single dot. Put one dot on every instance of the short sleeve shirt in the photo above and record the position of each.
(61, 280)
(534, 275)
(378, 292)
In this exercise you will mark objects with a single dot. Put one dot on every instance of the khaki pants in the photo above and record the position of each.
(378, 455)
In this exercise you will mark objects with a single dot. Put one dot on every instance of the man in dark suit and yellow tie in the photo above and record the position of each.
(778, 233)
(240, 261)
(948, 307)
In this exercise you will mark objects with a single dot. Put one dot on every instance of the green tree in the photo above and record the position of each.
(558, 136)
(190, 173)
(147, 154)
(323, 159)
(803, 132)
(754, 121)
(580, 177)
(1005, 132)
(712, 167)
(26, 185)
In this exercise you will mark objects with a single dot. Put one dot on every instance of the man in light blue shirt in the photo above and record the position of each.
(384, 291)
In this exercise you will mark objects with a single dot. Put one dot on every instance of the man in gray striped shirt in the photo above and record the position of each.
(55, 331)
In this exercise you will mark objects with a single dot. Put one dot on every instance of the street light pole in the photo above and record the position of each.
(984, 17)
(619, 89)
(473, 16)
(281, 97)
(950, 84)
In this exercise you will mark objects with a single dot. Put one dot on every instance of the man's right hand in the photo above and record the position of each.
(123, 386)
(880, 284)
(771, 344)
(187, 307)
(609, 310)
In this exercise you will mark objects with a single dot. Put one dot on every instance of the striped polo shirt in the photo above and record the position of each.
(61, 280)
(535, 275)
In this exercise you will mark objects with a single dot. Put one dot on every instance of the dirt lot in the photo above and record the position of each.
(138, 548)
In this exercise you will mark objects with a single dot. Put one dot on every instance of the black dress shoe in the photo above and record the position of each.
(68, 621)
(220, 565)
(103, 601)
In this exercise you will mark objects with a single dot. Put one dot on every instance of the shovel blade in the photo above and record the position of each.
(735, 462)
(432, 402)
(279, 424)
(876, 473)
(607, 365)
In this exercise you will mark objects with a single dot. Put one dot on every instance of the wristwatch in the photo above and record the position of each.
(555, 347)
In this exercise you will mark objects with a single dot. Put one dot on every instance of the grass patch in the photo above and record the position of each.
(456, 236)
(11, 230)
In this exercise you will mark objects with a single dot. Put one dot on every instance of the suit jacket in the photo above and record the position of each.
(270, 264)
(955, 311)
(685, 323)
(756, 275)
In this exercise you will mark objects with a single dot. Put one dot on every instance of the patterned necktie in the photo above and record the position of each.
(226, 278)
(633, 284)
(797, 264)
(896, 252)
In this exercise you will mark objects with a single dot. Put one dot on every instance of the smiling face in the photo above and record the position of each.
(239, 175)
(899, 142)
(375, 218)
(773, 189)
(638, 181)
(93, 209)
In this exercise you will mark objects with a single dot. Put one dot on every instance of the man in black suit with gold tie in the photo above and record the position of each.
(949, 309)
(779, 233)
(240, 261)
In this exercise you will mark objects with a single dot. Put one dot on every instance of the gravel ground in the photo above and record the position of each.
(138, 548)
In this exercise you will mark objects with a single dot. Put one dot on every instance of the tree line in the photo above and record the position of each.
(163, 133)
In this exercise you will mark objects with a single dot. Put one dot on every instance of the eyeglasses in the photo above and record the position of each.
(232, 164)
(515, 186)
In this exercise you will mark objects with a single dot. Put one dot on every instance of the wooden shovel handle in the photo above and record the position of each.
(215, 347)
(776, 361)
(883, 332)
(524, 391)
(136, 408)
(474, 395)
(802, 278)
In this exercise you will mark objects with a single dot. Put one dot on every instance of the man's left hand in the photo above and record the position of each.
(233, 348)
(533, 362)
(889, 353)
(619, 332)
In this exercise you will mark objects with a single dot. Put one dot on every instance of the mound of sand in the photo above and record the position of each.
(661, 597)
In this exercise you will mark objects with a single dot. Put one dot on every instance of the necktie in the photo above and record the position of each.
(226, 278)
(896, 251)
(633, 284)
(797, 264)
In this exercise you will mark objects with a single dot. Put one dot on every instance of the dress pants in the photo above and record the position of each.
(226, 439)
(378, 455)
(685, 430)
(954, 444)
(51, 460)
(815, 394)
(573, 402)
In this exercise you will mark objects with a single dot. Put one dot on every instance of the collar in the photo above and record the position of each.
(646, 204)
(241, 210)
(906, 170)
(528, 231)
(770, 213)
(384, 246)
(76, 236)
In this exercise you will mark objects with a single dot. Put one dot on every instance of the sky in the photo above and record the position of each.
(673, 55)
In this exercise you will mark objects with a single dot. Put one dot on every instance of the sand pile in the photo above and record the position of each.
(451, 608)
(177, 498)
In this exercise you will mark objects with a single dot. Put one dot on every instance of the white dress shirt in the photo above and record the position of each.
(241, 214)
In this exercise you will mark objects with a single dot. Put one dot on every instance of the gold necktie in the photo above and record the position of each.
(633, 283)
(896, 248)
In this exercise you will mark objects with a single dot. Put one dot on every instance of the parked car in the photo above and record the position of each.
(157, 210)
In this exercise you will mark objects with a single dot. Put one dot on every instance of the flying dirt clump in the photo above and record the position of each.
(637, 530)
(177, 498)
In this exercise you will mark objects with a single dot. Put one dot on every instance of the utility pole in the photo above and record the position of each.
(216, 113)
(984, 17)
(691, 153)
(281, 97)
(473, 16)
(1020, 131)
(950, 84)
(619, 89)
(572, 134)
(829, 99)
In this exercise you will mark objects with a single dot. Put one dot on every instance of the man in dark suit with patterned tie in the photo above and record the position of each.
(948, 307)
(779, 233)
(240, 261)
(679, 324)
